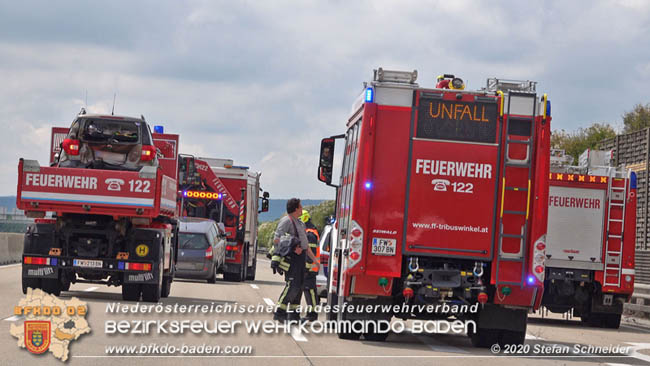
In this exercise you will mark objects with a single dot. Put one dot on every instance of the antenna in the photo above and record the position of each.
(113, 110)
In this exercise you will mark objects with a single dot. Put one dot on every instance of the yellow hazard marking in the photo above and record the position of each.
(142, 250)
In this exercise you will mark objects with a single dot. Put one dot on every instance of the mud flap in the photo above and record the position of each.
(144, 245)
(498, 317)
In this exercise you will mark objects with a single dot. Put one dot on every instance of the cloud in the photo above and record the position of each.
(263, 82)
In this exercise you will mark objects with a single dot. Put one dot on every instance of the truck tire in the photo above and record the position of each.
(611, 321)
(510, 337)
(33, 283)
(166, 286)
(131, 292)
(251, 270)
(52, 286)
(484, 337)
(373, 335)
(244, 266)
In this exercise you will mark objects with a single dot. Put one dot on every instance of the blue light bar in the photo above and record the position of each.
(368, 185)
(120, 265)
(54, 261)
(158, 129)
(370, 95)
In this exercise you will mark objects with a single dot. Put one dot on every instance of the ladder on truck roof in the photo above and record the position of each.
(616, 202)
(509, 191)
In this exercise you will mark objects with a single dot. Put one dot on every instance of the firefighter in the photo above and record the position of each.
(290, 297)
(309, 285)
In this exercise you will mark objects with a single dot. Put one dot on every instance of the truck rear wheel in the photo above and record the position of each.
(52, 286)
(509, 337)
(484, 337)
(33, 283)
(131, 292)
(612, 321)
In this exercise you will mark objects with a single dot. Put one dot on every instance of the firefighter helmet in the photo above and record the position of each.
(305, 216)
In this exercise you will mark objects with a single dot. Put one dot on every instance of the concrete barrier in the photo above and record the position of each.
(640, 304)
(11, 247)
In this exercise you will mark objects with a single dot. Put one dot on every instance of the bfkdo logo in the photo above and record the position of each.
(37, 336)
(51, 324)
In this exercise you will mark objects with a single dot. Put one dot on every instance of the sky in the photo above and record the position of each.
(261, 82)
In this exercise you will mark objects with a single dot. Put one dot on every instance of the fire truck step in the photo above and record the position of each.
(618, 188)
(525, 142)
(616, 204)
(521, 213)
(514, 236)
(615, 236)
(517, 189)
(518, 165)
(616, 220)
(510, 259)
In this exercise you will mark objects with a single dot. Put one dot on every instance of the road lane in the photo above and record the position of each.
(289, 349)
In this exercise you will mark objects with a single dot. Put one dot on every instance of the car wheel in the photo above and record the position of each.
(213, 277)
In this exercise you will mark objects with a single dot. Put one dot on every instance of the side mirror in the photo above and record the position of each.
(266, 195)
(265, 203)
(326, 160)
(222, 228)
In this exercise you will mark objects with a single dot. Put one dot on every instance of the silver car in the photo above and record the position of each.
(328, 236)
(202, 249)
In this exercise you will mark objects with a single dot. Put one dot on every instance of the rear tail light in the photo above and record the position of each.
(408, 292)
(37, 260)
(138, 266)
(356, 244)
(539, 258)
(229, 247)
(71, 146)
(482, 297)
(148, 153)
(208, 253)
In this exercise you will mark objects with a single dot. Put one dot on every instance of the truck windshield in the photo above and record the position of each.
(102, 130)
(192, 241)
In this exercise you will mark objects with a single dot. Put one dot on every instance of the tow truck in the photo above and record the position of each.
(591, 237)
(105, 208)
(442, 198)
(214, 188)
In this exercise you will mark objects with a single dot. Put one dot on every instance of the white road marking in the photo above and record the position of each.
(297, 335)
(10, 265)
(269, 302)
(635, 351)
(437, 346)
(255, 286)
(533, 338)
(13, 318)
(91, 289)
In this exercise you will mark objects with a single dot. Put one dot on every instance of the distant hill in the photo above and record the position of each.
(8, 201)
(278, 207)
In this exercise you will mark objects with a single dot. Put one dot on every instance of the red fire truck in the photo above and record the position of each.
(442, 199)
(111, 191)
(216, 189)
(591, 236)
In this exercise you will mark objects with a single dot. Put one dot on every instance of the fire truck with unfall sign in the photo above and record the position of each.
(216, 189)
(442, 199)
(591, 237)
(110, 190)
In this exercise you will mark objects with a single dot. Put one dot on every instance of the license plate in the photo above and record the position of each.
(87, 263)
(383, 246)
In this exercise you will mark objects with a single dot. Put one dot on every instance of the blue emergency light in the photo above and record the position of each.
(368, 185)
(531, 280)
(158, 129)
(370, 95)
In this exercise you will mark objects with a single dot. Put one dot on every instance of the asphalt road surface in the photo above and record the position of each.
(546, 338)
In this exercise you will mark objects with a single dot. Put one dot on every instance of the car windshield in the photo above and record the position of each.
(103, 130)
(192, 241)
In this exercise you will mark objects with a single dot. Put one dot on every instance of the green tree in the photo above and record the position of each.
(637, 119)
(576, 142)
(319, 213)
